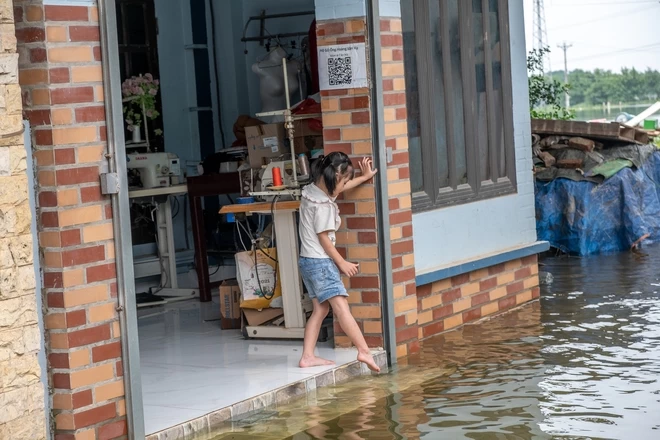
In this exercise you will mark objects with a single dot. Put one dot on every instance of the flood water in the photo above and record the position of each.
(584, 363)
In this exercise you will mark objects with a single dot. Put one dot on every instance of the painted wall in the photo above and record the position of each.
(338, 9)
(239, 86)
(461, 233)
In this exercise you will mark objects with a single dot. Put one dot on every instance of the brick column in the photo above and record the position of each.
(398, 177)
(21, 390)
(348, 123)
(347, 128)
(60, 73)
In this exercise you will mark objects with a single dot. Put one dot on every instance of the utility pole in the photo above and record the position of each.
(565, 48)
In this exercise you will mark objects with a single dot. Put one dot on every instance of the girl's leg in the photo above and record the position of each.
(343, 312)
(312, 329)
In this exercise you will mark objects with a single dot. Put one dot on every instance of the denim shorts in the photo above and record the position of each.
(322, 278)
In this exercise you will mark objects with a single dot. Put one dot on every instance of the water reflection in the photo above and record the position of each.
(584, 363)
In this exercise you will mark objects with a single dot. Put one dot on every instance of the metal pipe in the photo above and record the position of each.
(127, 308)
(288, 117)
(380, 162)
(275, 37)
(284, 15)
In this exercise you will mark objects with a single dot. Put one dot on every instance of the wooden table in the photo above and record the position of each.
(286, 235)
(205, 186)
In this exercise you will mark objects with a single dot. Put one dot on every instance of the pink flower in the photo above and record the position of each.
(149, 77)
(149, 114)
(153, 92)
(156, 82)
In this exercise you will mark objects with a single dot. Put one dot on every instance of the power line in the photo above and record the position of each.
(630, 49)
(607, 3)
(605, 17)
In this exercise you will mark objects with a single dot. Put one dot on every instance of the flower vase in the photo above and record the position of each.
(137, 135)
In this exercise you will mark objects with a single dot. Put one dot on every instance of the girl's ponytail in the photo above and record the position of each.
(327, 168)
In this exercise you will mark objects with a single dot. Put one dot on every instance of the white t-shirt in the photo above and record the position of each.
(318, 213)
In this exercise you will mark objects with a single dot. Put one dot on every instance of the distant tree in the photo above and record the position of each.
(629, 86)
(546, 94)
(651, 84)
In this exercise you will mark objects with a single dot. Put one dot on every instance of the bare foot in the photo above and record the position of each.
(368, 359)
(314, 361)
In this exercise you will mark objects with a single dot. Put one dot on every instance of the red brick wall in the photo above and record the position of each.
(451, 303)
(347, 128)
(61, 80)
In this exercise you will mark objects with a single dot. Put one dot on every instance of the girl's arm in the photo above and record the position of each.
(348, 269)
(366, 167)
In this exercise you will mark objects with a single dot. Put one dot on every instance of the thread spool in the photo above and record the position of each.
(303, 165)
(277, 177)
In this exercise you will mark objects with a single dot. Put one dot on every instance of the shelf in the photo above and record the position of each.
(260, 207)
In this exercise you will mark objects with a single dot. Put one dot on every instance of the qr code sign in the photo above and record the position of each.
(340, 71)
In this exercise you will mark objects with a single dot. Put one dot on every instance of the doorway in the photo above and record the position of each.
(187, 365)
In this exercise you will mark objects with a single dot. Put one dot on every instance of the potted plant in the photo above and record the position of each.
(139, 93)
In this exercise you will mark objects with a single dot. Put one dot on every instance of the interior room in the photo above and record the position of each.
(221, 308)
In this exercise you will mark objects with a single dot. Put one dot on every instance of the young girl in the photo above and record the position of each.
(320, 263)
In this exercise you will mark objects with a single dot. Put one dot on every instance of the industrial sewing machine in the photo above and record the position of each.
(265, 190)
(155, 170)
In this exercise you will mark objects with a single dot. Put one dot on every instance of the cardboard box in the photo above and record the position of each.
(258, 317)
(305, 139)
(230, 300)
(265, 142)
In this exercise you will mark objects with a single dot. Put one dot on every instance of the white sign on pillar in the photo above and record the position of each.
(343, 66)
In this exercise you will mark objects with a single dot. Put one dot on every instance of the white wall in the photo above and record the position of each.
(461, 233)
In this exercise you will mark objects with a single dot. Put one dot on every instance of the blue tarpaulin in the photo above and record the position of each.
(584, 218)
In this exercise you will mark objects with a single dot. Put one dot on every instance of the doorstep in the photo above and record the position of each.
(205, 424)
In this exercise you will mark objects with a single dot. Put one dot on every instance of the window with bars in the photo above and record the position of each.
(458, 86)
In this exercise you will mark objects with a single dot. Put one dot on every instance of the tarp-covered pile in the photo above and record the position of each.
(596, 197)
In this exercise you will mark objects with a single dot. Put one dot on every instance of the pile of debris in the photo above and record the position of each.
(586, 151)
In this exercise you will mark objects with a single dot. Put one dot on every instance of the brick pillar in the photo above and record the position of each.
(347, 121)
(21, 391)
(398, 177)
(347, 128)
(60, 74)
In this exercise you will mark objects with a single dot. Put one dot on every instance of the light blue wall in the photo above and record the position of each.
(239, 86)
(449, 236)
(390, 8)
(336, 9)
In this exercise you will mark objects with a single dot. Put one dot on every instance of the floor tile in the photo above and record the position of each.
(191, 367)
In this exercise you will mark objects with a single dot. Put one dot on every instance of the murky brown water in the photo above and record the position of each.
(584, 363)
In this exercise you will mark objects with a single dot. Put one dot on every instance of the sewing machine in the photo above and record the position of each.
(156, 170)
(265, 183)
(286, 171)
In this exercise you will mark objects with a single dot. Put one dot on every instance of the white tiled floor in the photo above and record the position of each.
(191, 367)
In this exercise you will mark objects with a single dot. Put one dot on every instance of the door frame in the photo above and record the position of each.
(121, 215)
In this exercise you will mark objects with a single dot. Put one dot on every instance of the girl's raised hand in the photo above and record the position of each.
(366, 167)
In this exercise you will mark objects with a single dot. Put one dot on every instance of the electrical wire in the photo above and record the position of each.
(160, 258)
(217, 75)
(185, 219)
(604, 17)
(630, 49)
(618, 2)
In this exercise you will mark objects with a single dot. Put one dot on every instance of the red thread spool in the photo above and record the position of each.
(277, 177)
